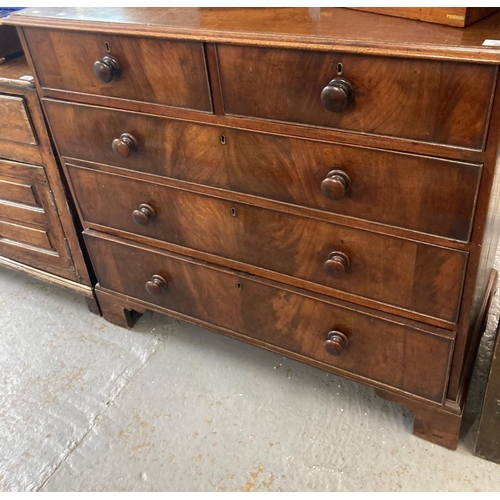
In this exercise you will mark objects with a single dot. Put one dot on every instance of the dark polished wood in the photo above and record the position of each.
(124, 145)
(451, 16)
(305, 28)
(336, 343)
(144, 214)
(168, 73)
(419, 277)
(396, 189)
(437, 102)
(337, 95)
(336, 184)
(380, 350)
(107, 69)
(306, 180)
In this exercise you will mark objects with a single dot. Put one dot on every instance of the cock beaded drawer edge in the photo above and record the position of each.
(317, 182)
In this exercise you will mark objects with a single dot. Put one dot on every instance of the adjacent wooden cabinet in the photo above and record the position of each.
(321, 183)
(37, 228)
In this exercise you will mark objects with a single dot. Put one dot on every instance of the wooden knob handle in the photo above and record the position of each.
(337, 94)
(143, 215)
(337, 264)
(124, 145)
(336, 184)
(156, 285)
(336, 343)
(106, 69)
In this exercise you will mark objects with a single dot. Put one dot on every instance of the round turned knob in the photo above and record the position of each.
(336, 184)
(336, 343)
(143, 215)
(124, 145)
(107, 69)
(337, 264)
(337, 94)
(156, 285)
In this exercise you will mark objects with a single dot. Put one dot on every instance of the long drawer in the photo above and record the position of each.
(411, 358)
(419, 277)
(141, 69)
(431, 101)
(423, 194)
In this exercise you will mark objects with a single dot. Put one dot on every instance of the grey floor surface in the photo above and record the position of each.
(88, 406)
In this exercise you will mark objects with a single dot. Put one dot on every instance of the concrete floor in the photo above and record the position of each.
(88, 406)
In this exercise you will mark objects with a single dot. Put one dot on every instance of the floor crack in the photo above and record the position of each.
(94, 421)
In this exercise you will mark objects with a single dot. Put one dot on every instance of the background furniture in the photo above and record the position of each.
(488, 435)
(37, 229)
(316, 182)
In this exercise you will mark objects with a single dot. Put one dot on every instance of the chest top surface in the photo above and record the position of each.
(309, 28)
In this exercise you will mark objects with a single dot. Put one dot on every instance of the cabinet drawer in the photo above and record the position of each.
(30, 228)
(15, 124)
(419, 277)
(23, 189)
(162, 72)
(388, 352)
(423, 194)
(431, 101)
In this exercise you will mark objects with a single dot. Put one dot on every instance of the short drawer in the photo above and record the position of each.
(15, 125)
(423, 194)
(430, 101)
(23, 190)
(419, 277)
(411, 358)
(162, 72)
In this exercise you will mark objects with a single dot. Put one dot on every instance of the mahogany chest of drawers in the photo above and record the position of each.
(317, 182)
(37, 229)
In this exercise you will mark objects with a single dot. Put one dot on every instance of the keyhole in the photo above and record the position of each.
(223, 139)
(233, 211)
(339, 68)
(238, 285)
(107, 47)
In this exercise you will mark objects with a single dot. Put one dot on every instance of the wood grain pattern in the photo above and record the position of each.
(168, 73)
(14, 122)
(381, 350)
(445, 103)
(38, 234)
(242, 190)
(485, 240)
(450, 16)
(419, 193)
(406, 274)
(17, 192)
(25, 235)
(305, 28)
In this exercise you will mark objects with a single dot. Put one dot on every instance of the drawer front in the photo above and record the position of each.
(431, 101)
(25, 235)
(15, 124)
(22, 191)
(418, 193)
(384, 351)
(30, 229)
(157, 71)
(423, 278)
